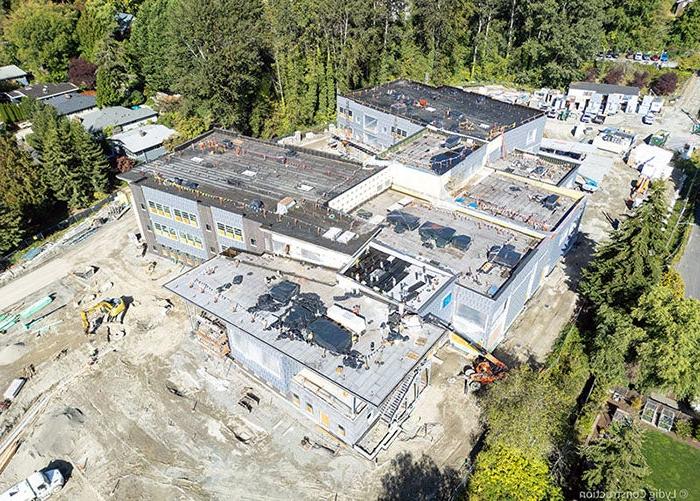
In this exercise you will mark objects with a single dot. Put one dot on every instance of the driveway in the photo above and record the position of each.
(688, 266)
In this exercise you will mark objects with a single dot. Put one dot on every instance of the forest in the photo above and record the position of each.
(269, 67)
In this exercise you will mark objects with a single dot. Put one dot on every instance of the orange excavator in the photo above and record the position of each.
(485, 370)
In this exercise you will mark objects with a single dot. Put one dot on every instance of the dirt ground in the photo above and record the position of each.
(156, 417)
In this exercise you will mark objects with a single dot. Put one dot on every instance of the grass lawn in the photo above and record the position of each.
(674, 465)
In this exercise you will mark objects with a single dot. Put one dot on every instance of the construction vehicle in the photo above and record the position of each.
(485, 370)
(112, 308)
(639, 192)
(38, 485)
(659, 138)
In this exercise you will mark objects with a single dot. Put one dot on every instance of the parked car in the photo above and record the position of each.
(649, 119)
(664, 57)
(552, 113)
(638, 56)
(646, 57)
(655, 57)
(599, 119)
(586, 118)
(38, 485)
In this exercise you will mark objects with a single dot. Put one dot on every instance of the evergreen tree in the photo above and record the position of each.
(11, 228)
(624, 268)
(150, 43)
(116, 78)
(44, 119)
(615, 462)
(62, 167)
(22, 186)
(91, 159)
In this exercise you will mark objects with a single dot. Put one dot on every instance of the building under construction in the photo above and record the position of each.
(335, 281)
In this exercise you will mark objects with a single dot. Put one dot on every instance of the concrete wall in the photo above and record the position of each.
(363, 191)
(379, 138)
(283, 245)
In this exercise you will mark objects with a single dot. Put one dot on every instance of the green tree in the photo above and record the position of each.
(616, 462)
(90, 158)
(216, 57)
(633, 260)
(44, 118)
(669, 354)
(525, 411)
(11, 228)
(97, 22)
(62, 168)
(22, 185)
(505, 472)
(116, 78)
(41, 35)
(685, 33)
(150, 43)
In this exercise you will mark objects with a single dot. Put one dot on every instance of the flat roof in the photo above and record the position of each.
(66, 104)
(545, 168)
(143, 138)
(116, 116)
(10, 72)
(469, 265)
(603, 88)
(432, 150)
(509, 198)
(43, 91)
(446, 108)
(233, 172)
(388, 362)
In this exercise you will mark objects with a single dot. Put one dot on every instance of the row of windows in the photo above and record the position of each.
(229, 232)
(160, 209)
(323, 417)
(185, 217)
(180, 216)
(181, 236)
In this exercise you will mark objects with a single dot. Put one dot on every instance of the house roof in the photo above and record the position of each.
(116, 116)
(43, 91)
(10, 72)
(143, 138)
(67, 104)
(603, 88)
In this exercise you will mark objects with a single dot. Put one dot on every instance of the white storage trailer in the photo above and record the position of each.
(38, 485)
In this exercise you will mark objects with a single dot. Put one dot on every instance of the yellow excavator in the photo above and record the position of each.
(112, 307)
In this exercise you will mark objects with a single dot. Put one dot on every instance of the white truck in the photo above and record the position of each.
(38, 485)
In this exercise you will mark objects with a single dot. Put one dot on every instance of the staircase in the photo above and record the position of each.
(393, 402)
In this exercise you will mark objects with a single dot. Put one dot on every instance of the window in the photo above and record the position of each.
(160, 209)
(370, 123)
(148, 227)
(309, 408)
(531, 136)
(295, 399)
(229, 232)
(341, 431)
(165, 231)
(212, 249)
(208, 227)
(447, 300)
(398, 133)
(253, 242)
(191, 240)
(143, 207)
(185, 217)
(345, 113)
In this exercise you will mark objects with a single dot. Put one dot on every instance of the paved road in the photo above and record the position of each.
(689, 267)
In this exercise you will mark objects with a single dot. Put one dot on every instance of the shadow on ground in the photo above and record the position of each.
(418, 480)
(578, 258)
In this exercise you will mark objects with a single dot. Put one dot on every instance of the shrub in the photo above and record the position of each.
(81, 73)
(683, 428)
(665, 84)
(640, 79)
(591, 74)
(615, 75)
